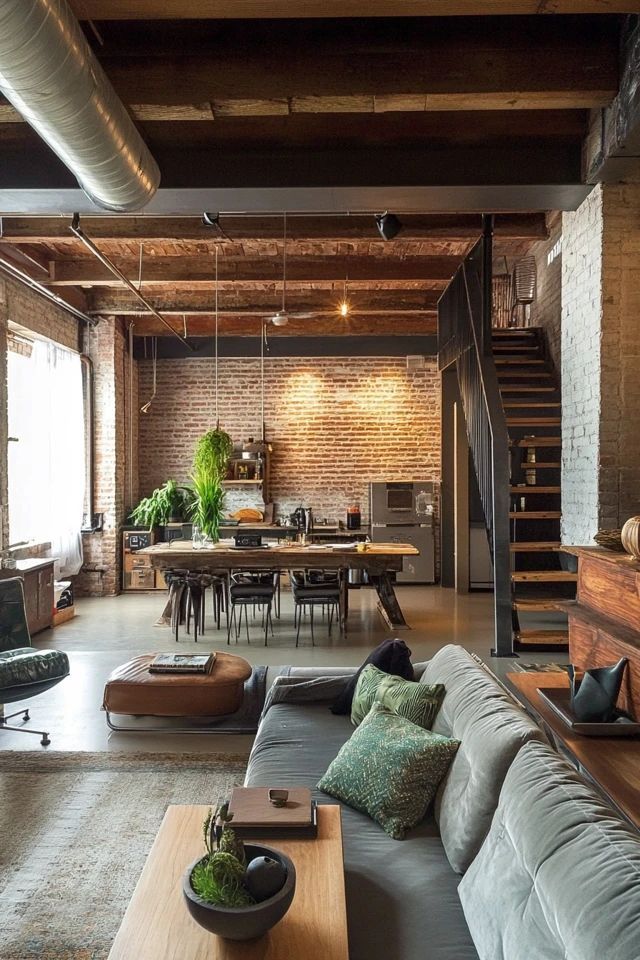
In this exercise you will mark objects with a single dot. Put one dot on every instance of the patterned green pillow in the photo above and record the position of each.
(390, 768)
(418, 702)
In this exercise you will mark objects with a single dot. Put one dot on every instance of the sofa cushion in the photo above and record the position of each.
(492, 728)
(392, 656)
(558, 877)
(418, 702)
(390, 768)
(402, 898)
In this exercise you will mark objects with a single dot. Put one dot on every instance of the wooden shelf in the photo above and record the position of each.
(242, 483)
(543, 576)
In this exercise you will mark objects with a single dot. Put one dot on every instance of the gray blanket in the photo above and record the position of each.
(286, 689)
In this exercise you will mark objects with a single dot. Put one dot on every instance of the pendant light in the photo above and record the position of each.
(216, 345)
(154, 354)
(344, 308)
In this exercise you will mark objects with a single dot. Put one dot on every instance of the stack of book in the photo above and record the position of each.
(182, 663)
(255, 818)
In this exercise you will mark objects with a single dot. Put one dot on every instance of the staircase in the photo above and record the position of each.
(531, 403)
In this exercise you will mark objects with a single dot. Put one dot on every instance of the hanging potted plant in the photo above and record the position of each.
(212, 454)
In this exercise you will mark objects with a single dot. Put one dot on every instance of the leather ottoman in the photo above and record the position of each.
(133, 690)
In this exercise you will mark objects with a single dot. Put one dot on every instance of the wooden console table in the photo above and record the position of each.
(611, 763)
(157, 924)
(604, 620)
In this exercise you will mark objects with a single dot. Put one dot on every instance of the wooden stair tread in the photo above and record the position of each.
(531, 489)
(511, 331)
(534, 546)
(543, 576)
(533, 421)
(536, 442)
(519, 361)
(503, 347)
(542, 465)
(521, 374)
(535, 605)
(534, 514)
(524, 388)
(530, 403)
(539, 637)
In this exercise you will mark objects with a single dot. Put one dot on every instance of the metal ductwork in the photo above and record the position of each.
(51, 76)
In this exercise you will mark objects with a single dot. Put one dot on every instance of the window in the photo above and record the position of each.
(46, 449)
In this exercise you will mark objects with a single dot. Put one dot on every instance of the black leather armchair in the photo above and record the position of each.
(24, 671)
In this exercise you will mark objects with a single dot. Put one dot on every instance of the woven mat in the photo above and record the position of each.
(76, 830)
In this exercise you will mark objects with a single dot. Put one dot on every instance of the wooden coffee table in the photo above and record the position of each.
(157, 925)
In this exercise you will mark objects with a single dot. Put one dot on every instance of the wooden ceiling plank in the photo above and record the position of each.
(281, 9)
(199, 270)
(524, 226)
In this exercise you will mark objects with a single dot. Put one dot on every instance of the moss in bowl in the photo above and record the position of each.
(216, 886)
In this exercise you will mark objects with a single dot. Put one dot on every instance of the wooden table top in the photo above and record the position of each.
(613, 763)
(158, 926)
(280, 554)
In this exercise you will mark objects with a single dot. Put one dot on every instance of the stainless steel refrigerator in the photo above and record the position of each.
(402, 512)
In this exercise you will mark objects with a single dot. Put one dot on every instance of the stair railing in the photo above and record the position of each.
(464, 338)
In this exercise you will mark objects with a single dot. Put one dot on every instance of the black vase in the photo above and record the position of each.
(594, 698)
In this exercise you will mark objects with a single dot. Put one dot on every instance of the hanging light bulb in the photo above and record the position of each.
(344, 307)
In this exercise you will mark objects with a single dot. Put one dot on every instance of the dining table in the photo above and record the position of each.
(379, 560)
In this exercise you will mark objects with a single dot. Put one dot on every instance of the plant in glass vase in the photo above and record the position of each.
(208, 506)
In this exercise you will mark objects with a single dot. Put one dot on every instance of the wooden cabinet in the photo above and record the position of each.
(37, 576)
(604, 622)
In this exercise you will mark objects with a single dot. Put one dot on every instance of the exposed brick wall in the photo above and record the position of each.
(4, 423)
(335, 424)
(106, 345)
(546, 310)
(600, 356)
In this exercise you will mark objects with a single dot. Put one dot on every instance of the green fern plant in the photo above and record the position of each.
(167, 501)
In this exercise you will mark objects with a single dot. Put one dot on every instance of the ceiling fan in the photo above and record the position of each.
(282, 316)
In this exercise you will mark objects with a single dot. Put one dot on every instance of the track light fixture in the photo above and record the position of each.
(388, 225)
(213, 220)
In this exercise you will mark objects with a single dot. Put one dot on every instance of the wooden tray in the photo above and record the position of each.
(560, 702)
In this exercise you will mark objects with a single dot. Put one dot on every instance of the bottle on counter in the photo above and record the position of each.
(354, 517)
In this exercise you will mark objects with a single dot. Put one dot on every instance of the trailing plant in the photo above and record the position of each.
(219, 878)
(170, 500)
(212, 454)
(207, 509)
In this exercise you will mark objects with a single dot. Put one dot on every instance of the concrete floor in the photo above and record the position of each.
(107, 632)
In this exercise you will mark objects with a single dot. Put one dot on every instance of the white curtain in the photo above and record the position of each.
(47, 463)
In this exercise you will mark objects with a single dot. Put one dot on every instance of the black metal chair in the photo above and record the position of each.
(311, 589)
(24, 671)
(256, 590)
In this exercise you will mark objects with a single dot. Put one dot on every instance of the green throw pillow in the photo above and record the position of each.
(418, 702)
(390, 769)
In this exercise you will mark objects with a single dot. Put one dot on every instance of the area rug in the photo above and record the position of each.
(76, 829)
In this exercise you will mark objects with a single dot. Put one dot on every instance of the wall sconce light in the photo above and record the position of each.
(388, 225)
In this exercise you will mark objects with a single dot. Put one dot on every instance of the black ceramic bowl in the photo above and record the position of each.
(242, 923)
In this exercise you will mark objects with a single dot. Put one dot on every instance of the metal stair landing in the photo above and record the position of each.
(532, 407)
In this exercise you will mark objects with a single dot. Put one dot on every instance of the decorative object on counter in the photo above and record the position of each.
(610, 539)
(630, 537)
(168, 503)
(354, 517)
(559, 700)
(247, 515)
(237, 891)
(594, 698)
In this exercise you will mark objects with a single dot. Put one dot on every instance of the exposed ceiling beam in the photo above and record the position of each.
(259, 9)
(256, 303)
(200, 71)
(312, 327)
(455, 226)
(200, 270)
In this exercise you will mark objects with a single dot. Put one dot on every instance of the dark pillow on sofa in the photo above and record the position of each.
(390, 656)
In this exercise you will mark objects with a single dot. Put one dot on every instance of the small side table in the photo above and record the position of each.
(612, 764)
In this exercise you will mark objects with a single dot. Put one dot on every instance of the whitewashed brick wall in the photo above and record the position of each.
(600, 362)
(580, 352)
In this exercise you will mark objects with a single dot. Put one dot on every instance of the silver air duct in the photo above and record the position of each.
(50, 75)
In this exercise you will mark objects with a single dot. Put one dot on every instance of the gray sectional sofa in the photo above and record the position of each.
(518, 859)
